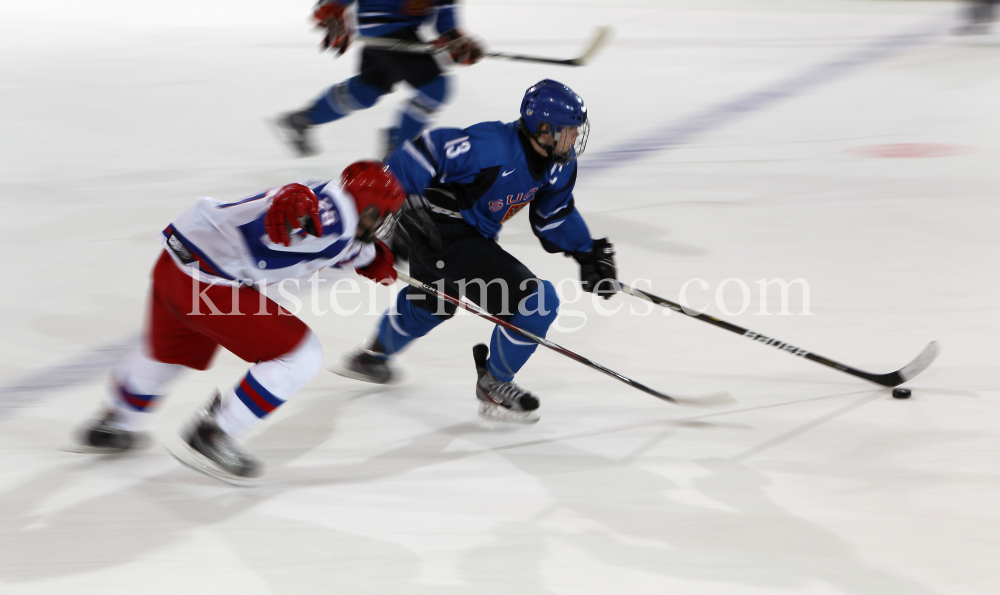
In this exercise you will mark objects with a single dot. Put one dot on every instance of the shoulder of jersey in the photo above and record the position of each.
(495, 143)
(489, 131)
(324, 188)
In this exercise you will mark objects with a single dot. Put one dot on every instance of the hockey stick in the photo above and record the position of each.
(721, 398)
(600, 39)
(907, 372)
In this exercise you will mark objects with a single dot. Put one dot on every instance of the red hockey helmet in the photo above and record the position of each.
(378, 196)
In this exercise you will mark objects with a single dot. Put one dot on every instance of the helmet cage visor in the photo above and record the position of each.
(372, 224)
(565, 143)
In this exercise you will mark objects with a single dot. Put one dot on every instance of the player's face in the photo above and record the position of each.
(368, 222)
(562, 146)
(372, 225)
(567, 138)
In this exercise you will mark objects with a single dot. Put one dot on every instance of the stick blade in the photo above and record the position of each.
(921, 362)
(907, 372)
(602, 37)
(718, 399)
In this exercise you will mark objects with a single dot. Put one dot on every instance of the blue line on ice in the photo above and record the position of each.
(688, 128)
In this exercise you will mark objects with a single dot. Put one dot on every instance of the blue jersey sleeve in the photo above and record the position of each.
(445, 157)
(435, 157)
(481, 175)
(377, 18)
(557, 223)
(446, 18)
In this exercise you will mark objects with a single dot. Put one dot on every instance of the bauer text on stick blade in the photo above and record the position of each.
(907, 372)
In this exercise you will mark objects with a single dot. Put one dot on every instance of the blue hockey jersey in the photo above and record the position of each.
(377, 18)
(482, 176)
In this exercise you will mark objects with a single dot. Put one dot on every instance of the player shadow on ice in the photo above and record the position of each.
(718, 525)
(125, 525)
(122, 526)
(709, 520)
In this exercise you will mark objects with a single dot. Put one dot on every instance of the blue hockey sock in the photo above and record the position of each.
(509, 351)
(343, 99)
(420, 110)
(403, 323)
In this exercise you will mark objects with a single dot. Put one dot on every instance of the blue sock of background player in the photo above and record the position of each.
(382, 69)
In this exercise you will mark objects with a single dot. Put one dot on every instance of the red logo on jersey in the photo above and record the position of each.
(512, 211)
(517, 203)
(521, 197)
(496, 205)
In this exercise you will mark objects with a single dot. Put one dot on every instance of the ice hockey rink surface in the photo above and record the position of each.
(850, 144)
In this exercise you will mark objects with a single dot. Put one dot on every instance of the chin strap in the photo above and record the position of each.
(534, 159)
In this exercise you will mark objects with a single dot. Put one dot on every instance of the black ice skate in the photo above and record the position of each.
(499, 400)
(981, 15)
(294, 128)
(209, 450)
(101, 436)
(973, 28)
(367, 363)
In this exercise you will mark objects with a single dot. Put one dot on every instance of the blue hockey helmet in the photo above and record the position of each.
(556, 118)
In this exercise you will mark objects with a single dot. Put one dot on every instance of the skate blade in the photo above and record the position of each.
(140, 443)
(341, 370)
(189, 457)
(492, 412)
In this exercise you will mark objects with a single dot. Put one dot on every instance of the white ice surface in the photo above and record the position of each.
(115, 116)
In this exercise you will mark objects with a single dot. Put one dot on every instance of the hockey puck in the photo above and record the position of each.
(901, 393)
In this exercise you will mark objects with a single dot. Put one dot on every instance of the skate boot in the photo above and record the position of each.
(211, 451)
(368, 363)
(979, 19)
(973, 28)
(101, 436)
(499, 400)
(294, 127)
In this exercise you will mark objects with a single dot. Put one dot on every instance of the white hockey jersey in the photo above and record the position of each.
(227, 243)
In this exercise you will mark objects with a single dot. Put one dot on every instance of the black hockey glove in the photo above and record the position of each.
(415, 227)
(598, 273)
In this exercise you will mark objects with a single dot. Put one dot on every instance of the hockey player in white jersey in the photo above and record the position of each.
(206, 292)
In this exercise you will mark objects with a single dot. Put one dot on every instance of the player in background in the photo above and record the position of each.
(470, 182)
(205, 294)
(382, 69)
(980, 15)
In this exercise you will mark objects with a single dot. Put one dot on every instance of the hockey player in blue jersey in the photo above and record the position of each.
(382, 69)
(470, 182)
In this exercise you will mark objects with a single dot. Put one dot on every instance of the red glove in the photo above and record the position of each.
(462, 48)
(330, 16)
(293, 206)
(380, 270)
